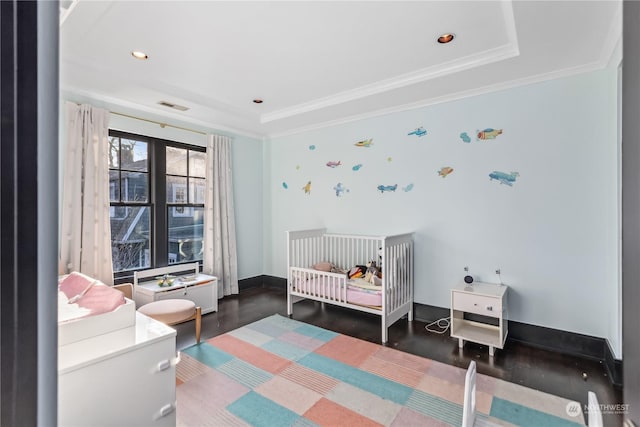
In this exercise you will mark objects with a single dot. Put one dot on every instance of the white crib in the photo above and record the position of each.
(308, 247)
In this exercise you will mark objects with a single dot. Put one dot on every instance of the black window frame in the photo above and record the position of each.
(158, 205)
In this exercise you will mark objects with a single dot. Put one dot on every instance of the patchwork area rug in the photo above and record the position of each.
(282, 372)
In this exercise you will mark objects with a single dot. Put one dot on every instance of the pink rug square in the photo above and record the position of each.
(289, 394)
(349, 350)
(250, 353)
(328, 413)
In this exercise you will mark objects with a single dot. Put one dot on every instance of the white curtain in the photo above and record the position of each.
(220, 258)
(85, 238)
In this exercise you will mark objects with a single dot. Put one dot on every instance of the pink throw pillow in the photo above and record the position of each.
(322, 266)
(98, 297)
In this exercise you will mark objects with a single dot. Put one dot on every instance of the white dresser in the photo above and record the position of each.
(125, 377)
(486, 299)
(203, 290)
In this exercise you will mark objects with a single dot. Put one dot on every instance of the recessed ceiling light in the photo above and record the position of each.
(139, 55)
(446, 38)
(258, 101)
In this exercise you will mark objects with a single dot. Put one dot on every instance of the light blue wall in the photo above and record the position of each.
(267, 210)
(247, 157)
(553, 233)
(248, 198)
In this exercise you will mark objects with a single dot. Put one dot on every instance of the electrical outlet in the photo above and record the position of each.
(498, 271)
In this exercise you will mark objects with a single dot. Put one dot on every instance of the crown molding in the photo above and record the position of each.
(408, 79)
(558, 74)
(500, 53)
(66, 11)
(112, 103)
(611, 54)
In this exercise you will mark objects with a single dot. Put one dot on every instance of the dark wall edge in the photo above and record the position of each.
(262, 281)
(571, 343)
(557, 340)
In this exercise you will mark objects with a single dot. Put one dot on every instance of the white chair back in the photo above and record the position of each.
(595, 415)
(469, 406)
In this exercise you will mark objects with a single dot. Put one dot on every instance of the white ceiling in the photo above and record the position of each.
(318, 62)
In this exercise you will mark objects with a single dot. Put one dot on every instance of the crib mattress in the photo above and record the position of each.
(355, 294)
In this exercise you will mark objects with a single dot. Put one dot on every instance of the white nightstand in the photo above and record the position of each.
(486, 299)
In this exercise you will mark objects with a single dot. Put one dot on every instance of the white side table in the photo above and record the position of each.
(203, 291)
(486, 299)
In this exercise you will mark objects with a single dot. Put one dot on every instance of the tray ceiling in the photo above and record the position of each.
(316, 63)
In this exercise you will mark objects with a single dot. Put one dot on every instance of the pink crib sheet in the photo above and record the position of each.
(355, 294)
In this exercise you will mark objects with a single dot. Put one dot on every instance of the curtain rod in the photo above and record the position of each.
(162, 125)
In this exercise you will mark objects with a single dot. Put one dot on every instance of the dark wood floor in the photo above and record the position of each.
(543, 370)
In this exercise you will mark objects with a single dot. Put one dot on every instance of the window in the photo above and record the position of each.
(130, 209)
(157, 192)
(185, 180)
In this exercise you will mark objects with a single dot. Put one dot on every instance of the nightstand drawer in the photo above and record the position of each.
(478, 304)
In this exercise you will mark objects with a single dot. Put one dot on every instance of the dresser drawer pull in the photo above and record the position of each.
(166, 410)
(164, 365)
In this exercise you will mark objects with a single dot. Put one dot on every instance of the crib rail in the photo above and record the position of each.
(322, 285)
(397, 272)
(305, 247)
(347, 251)
(325, 287)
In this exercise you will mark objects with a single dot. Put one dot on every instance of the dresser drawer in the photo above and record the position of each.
(478, 304)
(132, 388)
